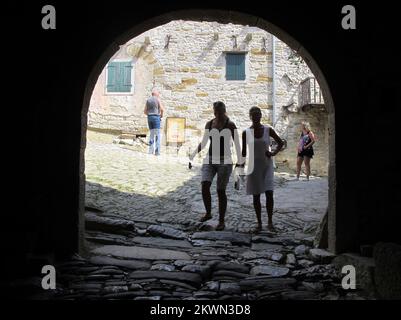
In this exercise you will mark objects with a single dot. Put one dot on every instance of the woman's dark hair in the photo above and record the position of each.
(218, 105)
(255, 109)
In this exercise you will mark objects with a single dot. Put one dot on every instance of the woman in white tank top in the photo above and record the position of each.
(260, 171)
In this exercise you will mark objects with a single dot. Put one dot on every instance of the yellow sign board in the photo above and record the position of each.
(175, 130)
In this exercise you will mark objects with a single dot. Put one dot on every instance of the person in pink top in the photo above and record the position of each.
(305, 148)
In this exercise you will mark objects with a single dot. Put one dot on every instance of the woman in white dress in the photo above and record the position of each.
(260, 175)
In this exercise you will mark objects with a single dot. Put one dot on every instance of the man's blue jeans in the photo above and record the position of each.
(154, 137)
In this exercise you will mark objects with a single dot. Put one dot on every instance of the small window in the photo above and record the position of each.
(119, 76)
(235, 66)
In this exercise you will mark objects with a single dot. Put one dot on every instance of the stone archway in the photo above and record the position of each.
(221, 17)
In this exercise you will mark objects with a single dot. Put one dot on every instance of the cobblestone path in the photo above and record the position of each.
(144, 240)
(142, 187)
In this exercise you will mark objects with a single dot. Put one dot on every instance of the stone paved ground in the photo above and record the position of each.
(144, 241)
(139, 186)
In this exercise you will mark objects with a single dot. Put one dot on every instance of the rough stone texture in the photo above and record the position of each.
(141, 253)
(115, 289)
(188, 277)
(107, 238)
(277, 257)
(182, 263)
(212, 286)
(162, 242)
(316, 273)
(298, 295)
(204, 271)
(321, 256)
(124, 295)
(233, 237)
(204, 295)
(226, 274)
(291, 259)
(301, 250)
(163, 267)
(236, 267)
(265, 239)
(266, 246)
(266, 283)
(313, 286)
(230, 288)
(269, 270)
(387, 258)
(305, 263)
(108, 224)
(166, 232)
(129, 264)
(178, 284)
(229, 274)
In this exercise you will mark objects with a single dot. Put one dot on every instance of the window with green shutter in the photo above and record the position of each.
(235, 66)
(119, 76)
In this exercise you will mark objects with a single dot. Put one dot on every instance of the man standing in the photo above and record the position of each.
(154, 110)
(221, 131)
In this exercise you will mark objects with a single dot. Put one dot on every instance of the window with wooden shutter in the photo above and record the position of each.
(235, 66)
(119, 76)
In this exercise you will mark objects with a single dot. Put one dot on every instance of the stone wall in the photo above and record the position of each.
(290, 71)
(193, 73)
(190, 75)
(123, 111)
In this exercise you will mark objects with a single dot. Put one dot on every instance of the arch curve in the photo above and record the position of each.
(224, 17)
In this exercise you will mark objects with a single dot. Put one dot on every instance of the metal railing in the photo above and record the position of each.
(310, 93)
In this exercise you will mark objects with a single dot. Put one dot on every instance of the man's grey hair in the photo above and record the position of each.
(155, 92)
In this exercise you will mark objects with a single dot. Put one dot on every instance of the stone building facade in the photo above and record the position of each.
(189, 62)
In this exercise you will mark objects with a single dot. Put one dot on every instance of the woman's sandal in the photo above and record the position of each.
(206, 217)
